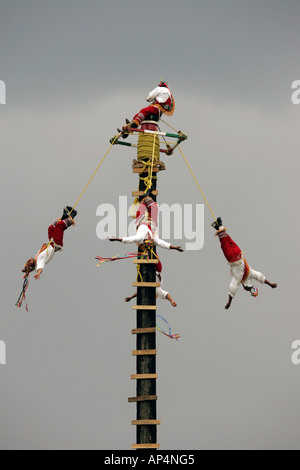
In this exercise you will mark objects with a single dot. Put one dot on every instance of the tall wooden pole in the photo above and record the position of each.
(146, 393)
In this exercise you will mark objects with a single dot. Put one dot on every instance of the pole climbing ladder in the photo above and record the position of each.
(147, 166)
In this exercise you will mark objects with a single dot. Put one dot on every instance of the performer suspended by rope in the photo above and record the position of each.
(241, 272)
(162, 102)
(146, 223)
(160, 293)
(47, 251)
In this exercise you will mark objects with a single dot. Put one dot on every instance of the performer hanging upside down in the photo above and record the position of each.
(146, 223)
(162, 294)
(162, 102)
(55, 235)
(241, 272)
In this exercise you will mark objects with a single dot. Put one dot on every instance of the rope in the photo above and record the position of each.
(148, 181)
(139, 275)
(169, 125)
(145, 146)
(93, 175)
(206, 201)
(167, 143)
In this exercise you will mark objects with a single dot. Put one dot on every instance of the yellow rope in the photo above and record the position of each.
(138, 269)
(197, 183)
(86, 186)
(149, 181)
(191, 171)
(145, 146)
(169, 125)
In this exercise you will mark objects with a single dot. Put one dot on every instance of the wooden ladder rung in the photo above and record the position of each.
(138, 331)
(142, 398)
(144, 352)
(145, 446)
(142, 193)
(143, 376)
(145, 261)
(144, 307)
(146, 284)
(145, 422)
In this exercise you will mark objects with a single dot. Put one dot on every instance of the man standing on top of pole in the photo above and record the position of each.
(162, 102)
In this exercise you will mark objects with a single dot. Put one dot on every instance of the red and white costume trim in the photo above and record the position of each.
(240, 271)
(55, 235)
(162, 102)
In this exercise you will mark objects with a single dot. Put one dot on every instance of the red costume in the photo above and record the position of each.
(162, 102)
(147, 214)
(56, 231)
(231, 250)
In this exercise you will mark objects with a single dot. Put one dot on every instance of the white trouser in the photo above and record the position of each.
(143, 233)
(237, 272)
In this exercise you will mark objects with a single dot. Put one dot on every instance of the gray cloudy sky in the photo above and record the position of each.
(74, 70)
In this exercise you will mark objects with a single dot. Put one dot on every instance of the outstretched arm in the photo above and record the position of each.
(173, 303)
(273, 285)
(229, 302)
(178, 248)
(114, 239)
(166, 245)
(39, 272)
(127, 299)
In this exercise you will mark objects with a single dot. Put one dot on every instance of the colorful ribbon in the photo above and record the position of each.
(22, 296)
(170, 335)
(116, 257)
(134, 255)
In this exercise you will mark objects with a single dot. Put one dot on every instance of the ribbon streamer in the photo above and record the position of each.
(22, 296)
(116, 257)
(170, 335)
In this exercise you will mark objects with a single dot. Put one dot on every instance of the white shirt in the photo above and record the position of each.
(44, 258)
(144, 233)
(160, 94)
(162, 294)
